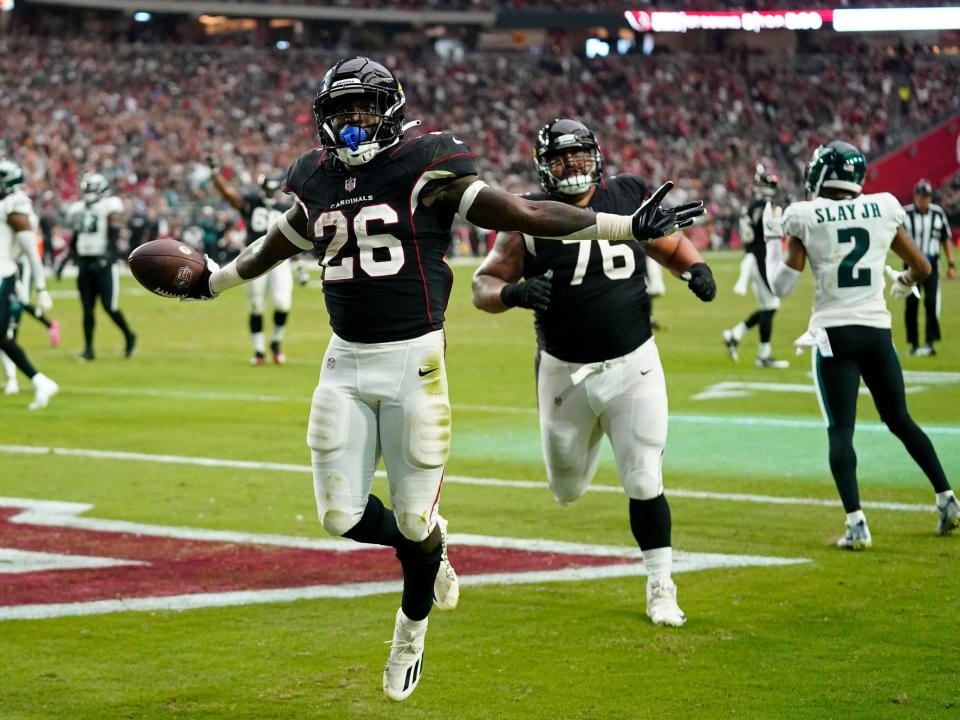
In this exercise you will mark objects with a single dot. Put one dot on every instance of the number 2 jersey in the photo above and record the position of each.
(847, 243)
(599, 308)
(382, 248)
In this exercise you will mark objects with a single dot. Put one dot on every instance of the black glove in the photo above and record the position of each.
(700, 281)
(213, 163)
(652, 221)
(533, 294)
(200, 290)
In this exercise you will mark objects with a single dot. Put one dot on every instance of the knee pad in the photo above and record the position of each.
(413, 526)
(338, 521)
(428, 434)
(565, 468)
(329, 421)
(644, 479)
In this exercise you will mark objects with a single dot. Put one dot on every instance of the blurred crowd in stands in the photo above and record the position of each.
(596, 5)
(147, 116)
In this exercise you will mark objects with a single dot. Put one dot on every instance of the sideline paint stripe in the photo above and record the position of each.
(799, 424)
(66, 514)
(456, 479)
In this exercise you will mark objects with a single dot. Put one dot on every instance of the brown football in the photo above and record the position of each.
(167, 267)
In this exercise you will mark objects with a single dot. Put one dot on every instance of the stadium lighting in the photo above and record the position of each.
(896, 19)
(597, 48)
(6, 5)
(282, 45)
(142, 16)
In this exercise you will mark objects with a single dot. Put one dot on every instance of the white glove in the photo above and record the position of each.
(900, 289)
(44, 301)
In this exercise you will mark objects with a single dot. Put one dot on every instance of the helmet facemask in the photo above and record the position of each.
(359, 121)
(11, 175)
(270, 187)
(568, 158)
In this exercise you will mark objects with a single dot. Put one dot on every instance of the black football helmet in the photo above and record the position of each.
(269, 186)
(554, 138)
(765, 183)
(352, 88)
(837, 165)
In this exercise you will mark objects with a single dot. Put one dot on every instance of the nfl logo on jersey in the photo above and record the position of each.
(350, 184)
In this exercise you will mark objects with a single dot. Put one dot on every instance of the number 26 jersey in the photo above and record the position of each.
(381, 247)
(847, 242)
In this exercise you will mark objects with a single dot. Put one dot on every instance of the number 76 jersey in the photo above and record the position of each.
(847, 243)
(381, 246)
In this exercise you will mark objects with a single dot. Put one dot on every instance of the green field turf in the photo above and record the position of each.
(870, 635)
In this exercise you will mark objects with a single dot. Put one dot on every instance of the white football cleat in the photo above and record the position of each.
(772, 362)
(44, 389)
(12, 387)
(731, 342)
(857, 537)
(405, 664)
(949, 518)
(662, 606)
(446, 588)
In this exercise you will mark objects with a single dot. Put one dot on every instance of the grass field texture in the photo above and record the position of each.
(841, 635)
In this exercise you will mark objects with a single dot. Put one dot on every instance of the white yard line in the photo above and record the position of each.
(455, 479)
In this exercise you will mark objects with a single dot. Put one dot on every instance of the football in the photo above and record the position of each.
(167, 267)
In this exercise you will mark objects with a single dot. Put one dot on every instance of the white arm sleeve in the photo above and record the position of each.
(783, 279)
(291, 234)
(28, 243)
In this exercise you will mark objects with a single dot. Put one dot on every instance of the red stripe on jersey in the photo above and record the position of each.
(413, 227)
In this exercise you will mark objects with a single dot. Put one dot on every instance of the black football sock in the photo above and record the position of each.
(121, 322)
(421, 562)
(33, 313)
(18, 357)
(753, 319)
(377, 526)
(843, 465)
(88, 323)
(766, 325)
(650, 522)
(921, 450)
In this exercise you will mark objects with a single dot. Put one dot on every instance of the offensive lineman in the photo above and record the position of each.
(598, 368)
(96, 221)
(260, 210)
(18, 227)
(846, 236)
(378, 208)
(753, 270)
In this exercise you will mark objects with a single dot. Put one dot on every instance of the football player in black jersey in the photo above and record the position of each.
(598, 368)
(378, 208)
(260, 209)
(756, 219)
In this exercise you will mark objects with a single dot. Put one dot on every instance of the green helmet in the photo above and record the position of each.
(836, 165)
(10, 176)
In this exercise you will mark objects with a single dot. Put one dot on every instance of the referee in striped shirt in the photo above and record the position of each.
(930, 229)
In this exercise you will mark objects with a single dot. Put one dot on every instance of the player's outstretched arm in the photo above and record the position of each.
(24, 235)
(286, 238)
(496, 283)
(495, 209)
(784, 269)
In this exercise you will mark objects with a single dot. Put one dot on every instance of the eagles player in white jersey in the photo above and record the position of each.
(846, 237)
(18, 228)
(96, 222)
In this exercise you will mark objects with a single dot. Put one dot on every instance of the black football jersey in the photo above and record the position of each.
(758, 246)
(382, 249)
(599, 308)
(258, 216)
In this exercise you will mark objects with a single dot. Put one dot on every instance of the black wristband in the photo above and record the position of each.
(510, 294)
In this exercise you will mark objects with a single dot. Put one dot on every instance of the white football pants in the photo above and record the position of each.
(624, 398)
(386, 399)
(655, 284)
(280, 283)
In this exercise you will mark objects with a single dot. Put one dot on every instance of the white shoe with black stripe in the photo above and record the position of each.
(405, 664)
(446, 588)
